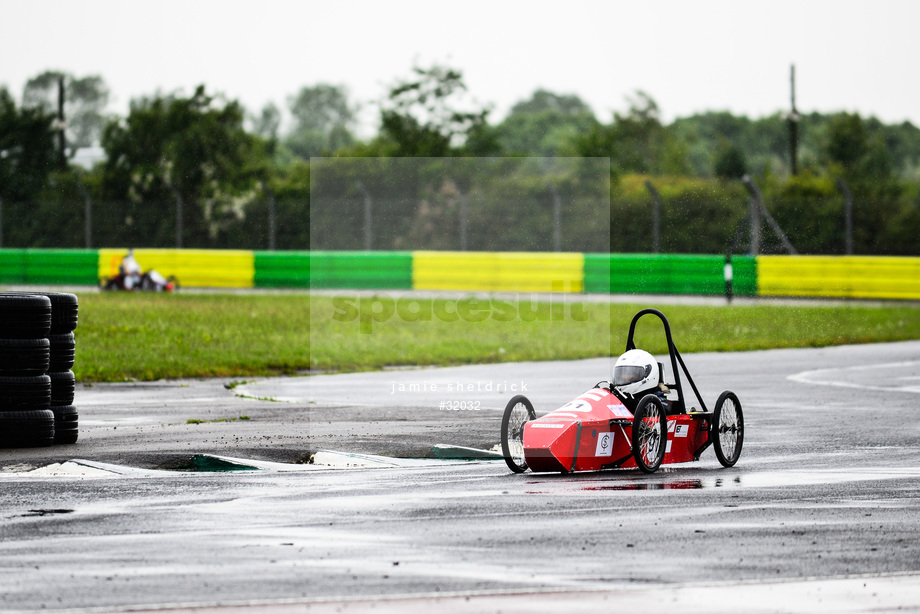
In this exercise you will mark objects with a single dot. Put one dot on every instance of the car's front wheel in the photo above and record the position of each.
(728, 428)
(518, 412)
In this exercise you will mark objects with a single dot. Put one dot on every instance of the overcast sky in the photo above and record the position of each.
(690, 55)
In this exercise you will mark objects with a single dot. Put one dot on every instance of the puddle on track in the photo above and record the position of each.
(765, 479)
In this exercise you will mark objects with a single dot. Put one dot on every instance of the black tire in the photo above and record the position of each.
(63, 352)
(24, 316)
(649, 433)
(26, 429)
(66, 428)
(24, 392)
(64, 311)
(62, 387)
(24, 356)
(727, 429)
(518, 412)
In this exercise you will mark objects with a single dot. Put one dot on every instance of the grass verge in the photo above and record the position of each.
(147, 336)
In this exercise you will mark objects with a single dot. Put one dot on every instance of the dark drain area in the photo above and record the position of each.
(211, 464)
(205, 461)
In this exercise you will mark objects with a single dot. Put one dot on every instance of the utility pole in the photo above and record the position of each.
(793, 126)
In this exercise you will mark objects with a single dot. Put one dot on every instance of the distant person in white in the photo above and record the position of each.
(130, 270)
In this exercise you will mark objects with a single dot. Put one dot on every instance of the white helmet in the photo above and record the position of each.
(634, 372)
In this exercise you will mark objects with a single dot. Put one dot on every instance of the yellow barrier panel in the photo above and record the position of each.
(885, 277)
(498, 271)
(201, 268)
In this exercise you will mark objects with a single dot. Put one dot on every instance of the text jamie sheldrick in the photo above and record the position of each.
(455, 387)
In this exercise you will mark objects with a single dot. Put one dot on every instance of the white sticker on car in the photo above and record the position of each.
(604, 444)
(619, 411)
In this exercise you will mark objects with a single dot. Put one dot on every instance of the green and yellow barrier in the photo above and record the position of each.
(878, 277)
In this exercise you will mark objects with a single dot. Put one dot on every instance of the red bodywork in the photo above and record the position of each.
(594, 431)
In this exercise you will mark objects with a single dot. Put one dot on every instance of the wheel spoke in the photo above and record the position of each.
(728, 428)
(648, 437)
(519, 416)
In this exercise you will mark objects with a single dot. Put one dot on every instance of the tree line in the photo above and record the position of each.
(202, 171)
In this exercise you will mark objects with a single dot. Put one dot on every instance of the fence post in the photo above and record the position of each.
(88, 203)
(178, 196)
(557, 219)
(656, 216)
(754, 214)
(729, 274)
(464, 221)
(847, 215)
(271, 218)
(368, 230)
(758, 208)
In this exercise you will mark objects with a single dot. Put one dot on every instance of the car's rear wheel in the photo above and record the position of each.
(728, 428)
(518, 412)
(649, 433)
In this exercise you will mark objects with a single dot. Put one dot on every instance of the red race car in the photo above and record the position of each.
(637, 420)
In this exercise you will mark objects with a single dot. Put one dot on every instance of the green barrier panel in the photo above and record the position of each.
(13, 266)
(603, 273)
(745, 275)
(282, 270)
(49, 266)
(667, 274)
(597, 273)
(355, 270)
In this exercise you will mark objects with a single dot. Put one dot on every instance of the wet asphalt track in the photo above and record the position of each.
(822, 513)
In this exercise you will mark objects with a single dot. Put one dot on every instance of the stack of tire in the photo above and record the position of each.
(37, 352)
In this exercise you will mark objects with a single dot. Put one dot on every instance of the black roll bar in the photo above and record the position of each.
(672, 351)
